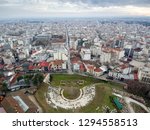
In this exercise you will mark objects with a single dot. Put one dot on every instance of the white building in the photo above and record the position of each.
(60, 54)
(95, 50)
(120, 54)
(105, 57)
(8, 60)
(8, 57)
(146, 50)
(85, 54)
(104, 68)
(144, 74)
(98, 72)
(111, 54)
(76, 66)
(22, 56)
(124, 69)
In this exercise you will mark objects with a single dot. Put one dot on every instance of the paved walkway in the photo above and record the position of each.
(32, 98)
(130, 100)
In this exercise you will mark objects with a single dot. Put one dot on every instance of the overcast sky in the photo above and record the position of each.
(73, 8)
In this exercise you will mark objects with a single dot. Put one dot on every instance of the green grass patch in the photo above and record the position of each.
(72, 80)
(71, 92)
(101, 99)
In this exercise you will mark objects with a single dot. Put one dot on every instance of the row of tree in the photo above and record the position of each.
(36, 80)
(138, 88)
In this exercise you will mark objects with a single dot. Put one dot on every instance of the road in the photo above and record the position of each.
(68, 49)
(130, 100)
(32, 98)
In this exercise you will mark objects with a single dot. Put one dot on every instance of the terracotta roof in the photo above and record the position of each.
(123, 66)
(75, 60)
(135, 76)
(33, 51)
(44, 64)
(15, 78)
(97, 70)
(58, 62)
(30, 104)
(82, 67)
(90, 67)
(32, 67)
(11, 106)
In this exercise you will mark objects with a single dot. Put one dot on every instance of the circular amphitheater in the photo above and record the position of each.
(55, 97)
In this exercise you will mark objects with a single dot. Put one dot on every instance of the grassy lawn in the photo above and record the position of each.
(103, 91)
(71, 92)
(71, 80)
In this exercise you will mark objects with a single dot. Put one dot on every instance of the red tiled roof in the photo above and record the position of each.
(135, 76)
(15, 78)
(31, 67)
(82, 67)
(97, 70)
(1, 66)
(11, 105)
(75, 60)
(44, 64)
(90, 67)
(34, 52)
(123, 66)
(58, 62)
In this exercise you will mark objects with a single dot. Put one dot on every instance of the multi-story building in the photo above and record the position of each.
(85, 54)
(60, 54)
(144, 74)
(105, 56)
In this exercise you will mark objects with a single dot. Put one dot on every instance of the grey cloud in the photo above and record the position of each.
(16, 8)
(3, 2)
(105, 3)
(101, 3)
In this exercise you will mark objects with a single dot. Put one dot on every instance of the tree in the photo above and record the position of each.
(35, 81)
(50, 78)
(38, 79)
(27, 81)
(138, 88)
(4, 87)
(19, 78)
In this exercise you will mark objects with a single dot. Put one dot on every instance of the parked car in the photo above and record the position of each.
(109, 77)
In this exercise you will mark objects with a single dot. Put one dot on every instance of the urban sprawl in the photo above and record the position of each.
(74, 65)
